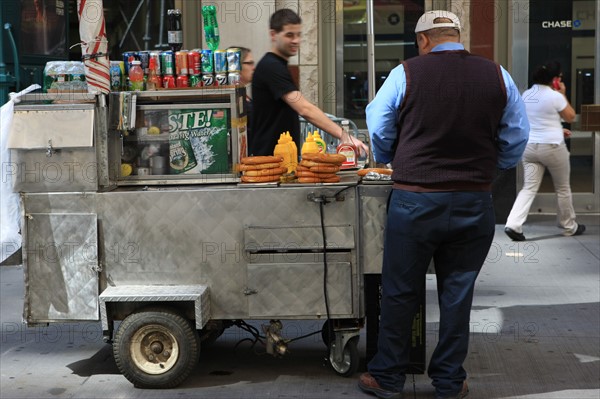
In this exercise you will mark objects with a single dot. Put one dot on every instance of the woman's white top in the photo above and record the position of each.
(543, 104)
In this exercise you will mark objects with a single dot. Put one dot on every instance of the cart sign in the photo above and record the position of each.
(198, 141)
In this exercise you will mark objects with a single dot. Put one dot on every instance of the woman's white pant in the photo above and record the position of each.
(536, 158)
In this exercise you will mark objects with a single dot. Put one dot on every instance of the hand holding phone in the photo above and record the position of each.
(556, 83)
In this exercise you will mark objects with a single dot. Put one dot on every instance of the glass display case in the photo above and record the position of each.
(181, 136)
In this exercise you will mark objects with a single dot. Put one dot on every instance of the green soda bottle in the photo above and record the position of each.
(211, 27)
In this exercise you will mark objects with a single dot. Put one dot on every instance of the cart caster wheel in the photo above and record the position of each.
(348, 365)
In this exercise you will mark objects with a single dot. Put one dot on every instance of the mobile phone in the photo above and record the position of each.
(556, 83)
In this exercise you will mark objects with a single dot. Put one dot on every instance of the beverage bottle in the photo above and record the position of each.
(154, 79)
(347, 147)
(211, 27)
(175, 30)
(136, 76)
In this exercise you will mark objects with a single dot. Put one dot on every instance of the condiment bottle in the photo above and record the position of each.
(320, 142)
(286, 151)
(347, 147)
(136, 76)
(294, 148)
(309, 145)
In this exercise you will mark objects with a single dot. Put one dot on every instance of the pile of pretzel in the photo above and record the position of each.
(319, 168)
(261, 169)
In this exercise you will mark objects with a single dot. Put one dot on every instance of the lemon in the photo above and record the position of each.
(153, 130)
(126, 169)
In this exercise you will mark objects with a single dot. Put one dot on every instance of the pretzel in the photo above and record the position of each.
(265, 172)
(302, 167)
(381, 171)
(324, 158)
(260, 179)
(256, 160)
(325, 167)
(308, 164)
(305, 173)
(244, 167)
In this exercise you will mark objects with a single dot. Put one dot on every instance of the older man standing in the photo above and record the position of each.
(445, 120)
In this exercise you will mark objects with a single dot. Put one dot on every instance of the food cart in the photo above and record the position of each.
(133, 215)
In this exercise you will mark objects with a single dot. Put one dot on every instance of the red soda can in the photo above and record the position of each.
(181, 62)
(183, 81)
(169, 82)
(194, 64)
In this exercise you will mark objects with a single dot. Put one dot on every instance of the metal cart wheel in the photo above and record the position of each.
(348, 365)
(326, 332)
(156, 349)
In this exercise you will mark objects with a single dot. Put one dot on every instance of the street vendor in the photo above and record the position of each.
(276, 98)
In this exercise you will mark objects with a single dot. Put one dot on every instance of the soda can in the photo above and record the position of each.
(221, 79)
(194, 63)
(144, 57)
(155, 55)
(181, 62)
(115, 76)
(233, 78)
(183, 81)
(220, 61)
(234, 60)
(169, 82)
(208, 79)
(167, 62)
(206, 61)
(196, 80)
(126, 59)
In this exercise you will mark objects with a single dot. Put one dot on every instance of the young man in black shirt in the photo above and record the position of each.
(277, 101)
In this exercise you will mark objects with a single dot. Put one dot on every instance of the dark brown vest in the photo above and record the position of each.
(448, 123)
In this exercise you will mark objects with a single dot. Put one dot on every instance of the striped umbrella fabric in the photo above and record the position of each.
(94, 45)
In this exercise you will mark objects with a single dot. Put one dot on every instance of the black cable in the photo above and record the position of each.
(303, 336)
(325, 272)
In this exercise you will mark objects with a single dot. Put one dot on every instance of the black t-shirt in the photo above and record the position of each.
(271, 114)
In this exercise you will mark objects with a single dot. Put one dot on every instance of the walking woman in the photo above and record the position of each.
(546, 104)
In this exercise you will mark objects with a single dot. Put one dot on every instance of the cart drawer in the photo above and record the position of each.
(295, 290)
(293, 238)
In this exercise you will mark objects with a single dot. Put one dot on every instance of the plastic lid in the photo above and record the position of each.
(309, 137)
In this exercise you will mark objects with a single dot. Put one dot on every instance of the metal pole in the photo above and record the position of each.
(370, 51)
(370, 65)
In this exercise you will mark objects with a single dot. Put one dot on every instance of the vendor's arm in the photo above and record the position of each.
(314, 115)
(513, 131)
(382, 115)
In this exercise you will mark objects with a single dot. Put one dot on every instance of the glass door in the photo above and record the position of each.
(566, 32)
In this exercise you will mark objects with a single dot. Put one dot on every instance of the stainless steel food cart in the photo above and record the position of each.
(167, 257)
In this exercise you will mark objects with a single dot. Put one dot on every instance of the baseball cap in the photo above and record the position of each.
(426, 21)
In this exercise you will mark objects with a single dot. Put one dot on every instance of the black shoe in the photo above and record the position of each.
(580, 230)
(517, 236)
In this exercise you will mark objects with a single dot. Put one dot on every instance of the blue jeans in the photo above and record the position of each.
(456, 230)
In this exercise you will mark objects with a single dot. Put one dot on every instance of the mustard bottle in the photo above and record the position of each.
(281, 150)
(309, 145)
(294, 151)
(320, 142)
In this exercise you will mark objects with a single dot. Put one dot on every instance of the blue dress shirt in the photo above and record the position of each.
(382, 114)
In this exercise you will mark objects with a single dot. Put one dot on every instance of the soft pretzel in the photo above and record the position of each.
(325, 158)
(270, 165)
(260, 179)
(308, 173)
(265, 172)
(325, 168)
(256, 160)
(334, 179)
(381, 171)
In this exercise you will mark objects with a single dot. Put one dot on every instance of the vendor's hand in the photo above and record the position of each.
(362, 147)
(567, 133)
